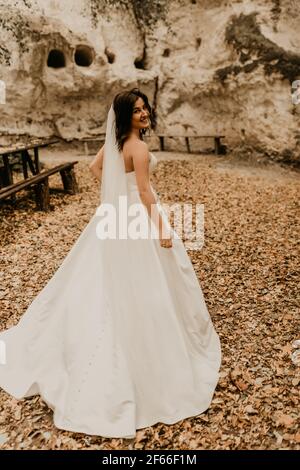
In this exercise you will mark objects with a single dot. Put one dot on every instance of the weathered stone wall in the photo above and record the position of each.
(210, 66)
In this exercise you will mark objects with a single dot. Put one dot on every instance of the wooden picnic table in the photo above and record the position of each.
(38, 178)
(33, 164)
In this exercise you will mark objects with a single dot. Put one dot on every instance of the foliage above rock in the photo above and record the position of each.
(146, 12)
(244, 34)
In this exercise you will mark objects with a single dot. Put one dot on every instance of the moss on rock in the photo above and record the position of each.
(244, 34)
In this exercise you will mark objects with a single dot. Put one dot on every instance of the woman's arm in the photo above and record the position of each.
(96, 165)
(140, 156)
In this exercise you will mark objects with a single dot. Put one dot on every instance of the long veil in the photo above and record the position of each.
(113, 183)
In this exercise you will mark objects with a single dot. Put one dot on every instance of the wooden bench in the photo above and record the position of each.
(219, 148)
(41, 184)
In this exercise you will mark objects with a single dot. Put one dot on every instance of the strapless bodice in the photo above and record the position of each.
(152, 164)
(131, 178)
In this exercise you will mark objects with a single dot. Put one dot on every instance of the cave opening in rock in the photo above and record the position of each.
(140, 61)
(56, 59)
(166, 52)
(110, 55)
(84, 56)
(139, 64)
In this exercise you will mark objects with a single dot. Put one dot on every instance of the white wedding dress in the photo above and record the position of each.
(116, 340)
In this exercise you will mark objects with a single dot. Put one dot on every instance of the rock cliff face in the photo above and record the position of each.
(209, 66)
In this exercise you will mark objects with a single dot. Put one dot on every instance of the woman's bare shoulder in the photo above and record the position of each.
(135, 147)
(134, 143)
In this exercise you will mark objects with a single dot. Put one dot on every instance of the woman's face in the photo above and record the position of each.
(140, 116)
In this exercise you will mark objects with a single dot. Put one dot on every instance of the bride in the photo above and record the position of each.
(120, 337)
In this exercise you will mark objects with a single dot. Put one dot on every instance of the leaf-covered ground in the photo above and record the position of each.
(249, 273)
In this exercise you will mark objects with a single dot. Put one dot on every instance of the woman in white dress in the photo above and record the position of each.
(120, 337)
